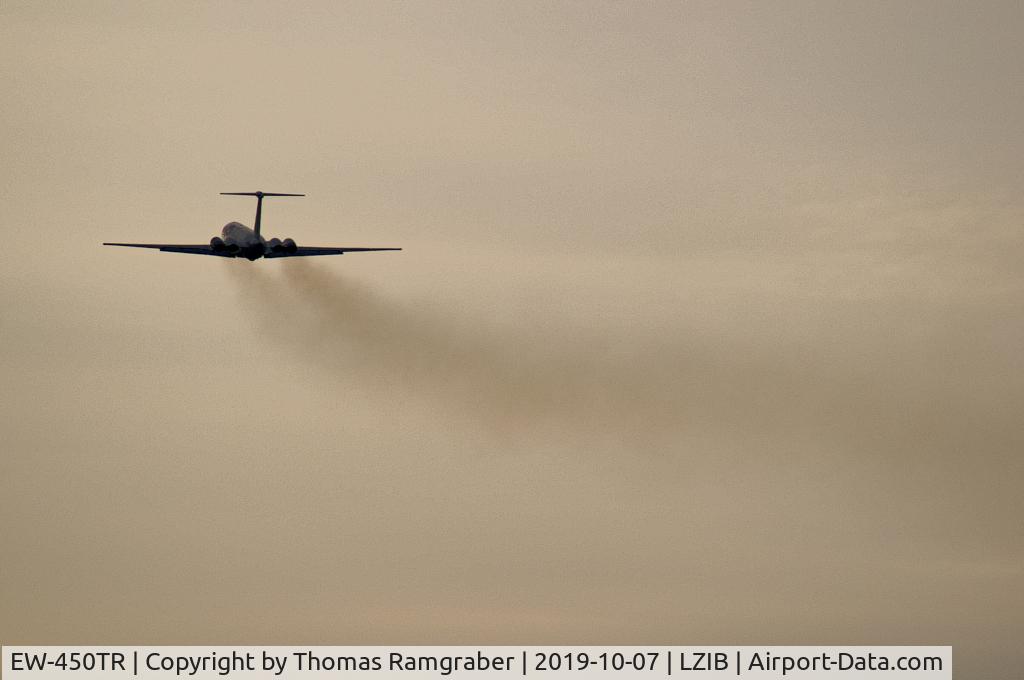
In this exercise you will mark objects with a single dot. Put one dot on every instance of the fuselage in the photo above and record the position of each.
(249, 244)
(241, 241)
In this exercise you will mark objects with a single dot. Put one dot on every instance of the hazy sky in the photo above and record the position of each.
(707, 328)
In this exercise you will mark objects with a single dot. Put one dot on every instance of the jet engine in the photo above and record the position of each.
(218, 245)
(289, 245)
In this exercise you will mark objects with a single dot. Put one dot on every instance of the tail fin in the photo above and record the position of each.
(259, 202)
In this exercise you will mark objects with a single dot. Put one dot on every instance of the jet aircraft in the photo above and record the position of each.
(238, 240)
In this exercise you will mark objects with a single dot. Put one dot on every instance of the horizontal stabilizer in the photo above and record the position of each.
(254, 193)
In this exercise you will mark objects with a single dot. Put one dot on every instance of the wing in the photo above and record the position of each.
(201, 249)
(308, 251)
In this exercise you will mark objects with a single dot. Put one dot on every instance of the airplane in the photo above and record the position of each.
(238, 240)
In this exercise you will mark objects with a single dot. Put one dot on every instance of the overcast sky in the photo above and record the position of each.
(707, 326)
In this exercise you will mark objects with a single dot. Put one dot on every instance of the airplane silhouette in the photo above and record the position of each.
(238, 240)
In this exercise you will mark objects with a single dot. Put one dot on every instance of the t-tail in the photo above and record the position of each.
(259, 202)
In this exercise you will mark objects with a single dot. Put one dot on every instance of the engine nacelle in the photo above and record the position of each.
(289, 246)
(275, 245)
(218, 245)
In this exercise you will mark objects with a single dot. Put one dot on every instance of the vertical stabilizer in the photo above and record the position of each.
(259, 202)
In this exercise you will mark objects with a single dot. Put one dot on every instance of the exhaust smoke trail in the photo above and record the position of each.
(649, 389)
(428, 352)
(634, 387)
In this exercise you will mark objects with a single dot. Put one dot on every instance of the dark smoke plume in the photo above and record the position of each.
(641, 388)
